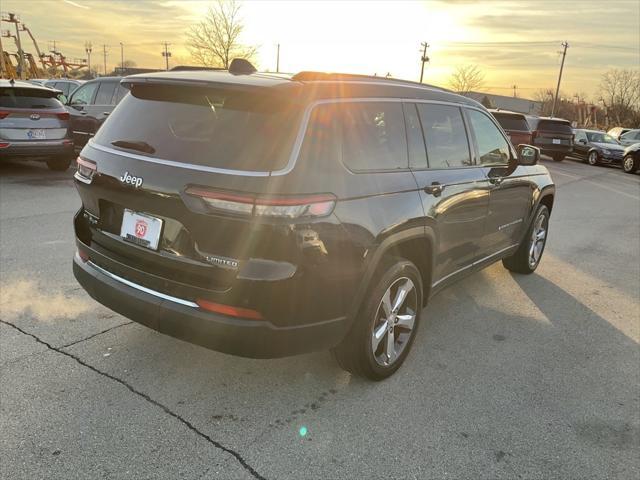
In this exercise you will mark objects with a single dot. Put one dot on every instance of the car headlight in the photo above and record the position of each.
(606, 152)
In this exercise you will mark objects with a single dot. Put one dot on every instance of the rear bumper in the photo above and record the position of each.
(554, 149)
(183, 319)
(51, 148)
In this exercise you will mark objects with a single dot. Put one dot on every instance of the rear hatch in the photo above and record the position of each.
(515, 126)
(192, 162)
(31, 115)
(551, 134)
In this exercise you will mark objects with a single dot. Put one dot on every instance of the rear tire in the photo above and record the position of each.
(592, 158)
(59, 164)
(557, 157)
(386, 325)
(630, 164)
(529, 253)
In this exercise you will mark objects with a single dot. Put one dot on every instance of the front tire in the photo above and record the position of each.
(59, 164)
(383, 332)
(592, 158)
(630, 164)
(557, 157)
(527, 257)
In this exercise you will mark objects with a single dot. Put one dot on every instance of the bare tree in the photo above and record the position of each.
(215, 41)
(466, 78)
(620, 93)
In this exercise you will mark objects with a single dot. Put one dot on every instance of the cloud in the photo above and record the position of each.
(76, 4)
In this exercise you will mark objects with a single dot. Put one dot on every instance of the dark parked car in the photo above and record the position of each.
(597, 147)
(65, 85)
(515, 125)
(90, 105)
(553, 136)
(266, 216)
(629, 138)
(631, 159)
(34, 125)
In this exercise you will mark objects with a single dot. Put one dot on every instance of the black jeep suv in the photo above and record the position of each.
(265, 216)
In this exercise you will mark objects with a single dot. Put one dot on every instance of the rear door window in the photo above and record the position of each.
(445, 136)
(221, 128)
(373, 136)
(415, 137)
(105, 93)
(16, 97)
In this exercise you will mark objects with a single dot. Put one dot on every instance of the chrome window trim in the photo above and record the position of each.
(477, 262)
(128, 283)
(297, 145)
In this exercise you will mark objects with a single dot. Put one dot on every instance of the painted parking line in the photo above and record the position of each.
(596, 184)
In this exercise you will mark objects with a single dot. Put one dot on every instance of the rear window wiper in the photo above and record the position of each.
(134, 145)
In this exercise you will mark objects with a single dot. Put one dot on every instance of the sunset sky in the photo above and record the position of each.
(513, 42)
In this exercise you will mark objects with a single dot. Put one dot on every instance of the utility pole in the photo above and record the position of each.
(122, 57)
(278, 60)
(13, 18)
(87, 49)
(515, 93)
(166, 54)
(555, 99)
(423, 58)
(104, 55)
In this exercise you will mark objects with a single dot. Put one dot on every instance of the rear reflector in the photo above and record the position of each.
(4, 144)
(229, 310)
(84, 256)
(276, 207)
(4, 114)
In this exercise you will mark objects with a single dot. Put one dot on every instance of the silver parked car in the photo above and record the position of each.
(34, 125)
(630, 138)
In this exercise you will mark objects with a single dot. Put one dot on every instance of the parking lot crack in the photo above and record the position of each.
(94, 335)
(146, 397)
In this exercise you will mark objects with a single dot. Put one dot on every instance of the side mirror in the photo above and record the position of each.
(582, 140)
(528, 155)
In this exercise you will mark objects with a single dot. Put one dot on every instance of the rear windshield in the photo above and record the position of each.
(28, 98)
(211, 127)
(512, 122)
(555, 126)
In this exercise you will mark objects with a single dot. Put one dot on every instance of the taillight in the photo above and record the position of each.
(63, 115)
(84, 256)
(4, 144)
(229, 310)
(4, 114)
(86, 169)
(297, 206)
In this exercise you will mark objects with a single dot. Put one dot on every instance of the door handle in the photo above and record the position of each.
(106, 114)
(434, 189)
(82, 112)
(496, 180)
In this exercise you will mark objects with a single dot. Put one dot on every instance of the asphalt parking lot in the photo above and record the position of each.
(510, 377)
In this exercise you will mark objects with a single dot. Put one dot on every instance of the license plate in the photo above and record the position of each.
(557, 141)
(140, 229)
(37, 134)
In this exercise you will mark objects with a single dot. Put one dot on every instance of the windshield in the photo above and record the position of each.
(212, 127)
(599, 137)
(33, 98)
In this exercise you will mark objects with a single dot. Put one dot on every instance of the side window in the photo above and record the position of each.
(445, 136)
(415, 140)
(84, 94)
(492, 146)
(373, 136)
(580, 135)
(120, 93)
(105, 93)
(64, 86)
(321, 145)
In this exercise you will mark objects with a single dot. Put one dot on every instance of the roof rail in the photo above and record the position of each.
(310, 76)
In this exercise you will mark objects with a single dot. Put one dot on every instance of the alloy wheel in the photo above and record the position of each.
(593, 158)
(538, 239)
(394, 323)
(627, 165)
